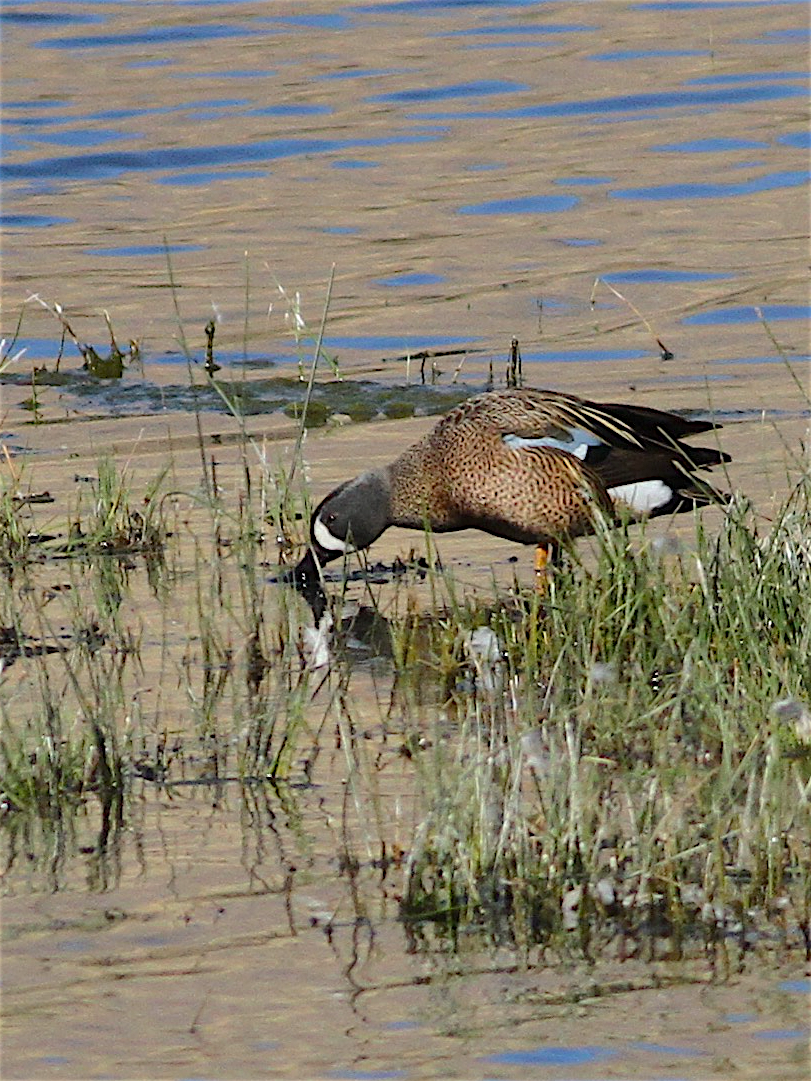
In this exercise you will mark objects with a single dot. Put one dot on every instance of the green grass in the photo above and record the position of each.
(623, 779)
(606, 769)
(620, 767)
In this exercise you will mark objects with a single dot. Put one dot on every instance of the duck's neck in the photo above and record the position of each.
(413, 494)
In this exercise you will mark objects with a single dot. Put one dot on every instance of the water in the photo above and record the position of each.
(744, 314)
(552, 1056)
(206, 146)
(471, 170)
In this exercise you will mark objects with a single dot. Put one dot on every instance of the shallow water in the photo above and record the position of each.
(471, 170)
(215, 150)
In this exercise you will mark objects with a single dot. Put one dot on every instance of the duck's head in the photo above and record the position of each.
(348, 519)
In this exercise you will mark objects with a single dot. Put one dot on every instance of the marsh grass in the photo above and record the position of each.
(623, 781)
(618, 767)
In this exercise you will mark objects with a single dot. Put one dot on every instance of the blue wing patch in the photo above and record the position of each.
(576, 441)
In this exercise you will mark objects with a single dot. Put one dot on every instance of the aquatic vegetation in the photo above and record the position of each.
(622, 765)
(628, 783)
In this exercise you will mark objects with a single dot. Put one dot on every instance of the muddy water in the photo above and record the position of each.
(470, 170)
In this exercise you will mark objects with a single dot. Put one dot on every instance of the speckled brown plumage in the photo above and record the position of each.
(527, 465)
(463, 474)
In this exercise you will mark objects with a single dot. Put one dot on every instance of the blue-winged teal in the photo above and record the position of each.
(528, 465)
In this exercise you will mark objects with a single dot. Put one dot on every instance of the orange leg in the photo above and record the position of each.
(543, 554)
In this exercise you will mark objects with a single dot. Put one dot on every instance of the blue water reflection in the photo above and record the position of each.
(709, 146)
(584, 181)
(410, 279)
(737, 314)
(527, 204)
(621, 55)
(48, 18)
(745, 77)
(174, 34)
(551, 1056)
(781, 1034)
(116, 163)
(800, 139)
(704, 5)
(31, 221)
(478, 88)
(322, 20)
(518, 30)
(142, 251)
(657, 275)
(623, 103)
(779, 37)
(790, 178)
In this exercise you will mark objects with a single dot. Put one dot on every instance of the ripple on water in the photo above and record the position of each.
(31, 221)
(651, 102)
(579, 242)
(113, 164)
(291, 110)
(800, 139)
(667, 1049)
(354, 163)
(313, 20)
(745, 313)
(366, 1075)
(745, 77)
(778, 37)
(174, 34)
(781, 1034)
(662, 277)
(478, 88)
(551, 1056)
(584, 181)
(519, 30)
(143, 251)
(582, 356)
(414, 278)
(83, 137)
(791, 178)
(360, 73)
(704, 5)
(792, 358)
(49, 18)
(622, 55)
(709, 146)
(429, 7)
(528, 204)
(194, 180)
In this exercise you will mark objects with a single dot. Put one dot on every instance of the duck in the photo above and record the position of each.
(532, 466)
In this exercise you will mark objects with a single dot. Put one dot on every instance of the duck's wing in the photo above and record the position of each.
(536, 418)
(589, 430)
(636, 451)
(595, 432)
